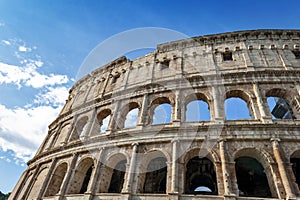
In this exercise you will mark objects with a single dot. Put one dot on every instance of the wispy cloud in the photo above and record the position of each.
(29, 76)
(52, 96)
(23, 128)
(6, 42)
(25, 137)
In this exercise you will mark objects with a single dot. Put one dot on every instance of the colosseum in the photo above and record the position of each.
(129, 131)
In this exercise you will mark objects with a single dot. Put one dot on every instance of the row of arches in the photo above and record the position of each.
(197, 107)
(200, 174)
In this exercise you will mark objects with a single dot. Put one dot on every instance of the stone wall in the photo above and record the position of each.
(249, 65)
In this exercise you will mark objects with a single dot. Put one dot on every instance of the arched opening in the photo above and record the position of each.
(160, 111)
(279, 102)
(128, 116)
(82, 176)
(80, 128)
(238, 105)
(295, 162)
(236, 108)
(38, 183)
(200, 177)
(117, 178)
(131, 118)
(251, 178)
(103, 119)
(113, 174)
(279, 108)
(86, 180)
(197, 110)
(102, 122)
(162, 114)
(56, 180)
(156, 176)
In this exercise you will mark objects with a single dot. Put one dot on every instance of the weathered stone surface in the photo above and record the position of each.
(78, 161)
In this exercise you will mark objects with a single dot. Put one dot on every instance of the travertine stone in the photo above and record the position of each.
(250, 65)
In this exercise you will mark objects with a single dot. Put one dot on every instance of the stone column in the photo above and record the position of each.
(56, 135)
(47, 179)
(130, 173)
(66, 182)
(260, 104)
(225, 171)
(90, 124)
(218, 114)
(248, 60)
(177, 107)
(30, 185)
(88, 87)
(113, 120)
(281, 168)
(95, 175)
(72, 129)
(174, 185)
(22, 181)
(142, 117)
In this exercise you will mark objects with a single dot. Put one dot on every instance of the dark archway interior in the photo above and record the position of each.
(200, 172)
(117, 178)
(251, 178)
(86, 180)
(156, 176)
(296, 169)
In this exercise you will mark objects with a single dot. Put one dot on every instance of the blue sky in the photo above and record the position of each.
(43, 43)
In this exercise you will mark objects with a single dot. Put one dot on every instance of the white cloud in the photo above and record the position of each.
(29, 76)
(53, 96)
(131, 118)
(2, 24)
(6, 42)
(22, 48)
(22, 130)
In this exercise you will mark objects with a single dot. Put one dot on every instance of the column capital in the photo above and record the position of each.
(221, 140)
(102, 148)
(135, 144)
(174, 140)
(275, 139)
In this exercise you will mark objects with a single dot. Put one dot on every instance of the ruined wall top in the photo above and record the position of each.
(200, 57)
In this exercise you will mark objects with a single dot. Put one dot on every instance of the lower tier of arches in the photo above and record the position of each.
(233, 169)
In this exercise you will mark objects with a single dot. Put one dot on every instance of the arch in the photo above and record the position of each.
(161, 110)
(295, 162)
(197, 151)
(113, 173)
(260, 155)
(80, 128)
(200, 173)
(238, 105)
(25, 186)
(197, 108)
(251, 179)
(279, 103)
(62, 135)
(153, 172)
(40, 178)
(117, 177)
(81, 178)
(57, 179)
(193, 172)
(101, 121)
(261, 160)
(127, 118)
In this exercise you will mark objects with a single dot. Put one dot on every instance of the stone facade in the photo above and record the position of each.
(255, 158)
